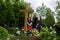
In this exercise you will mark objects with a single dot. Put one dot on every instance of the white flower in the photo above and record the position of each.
(16, 28)
(50, 27)
(54, 31)
(7, 38)
(5, 25)
(18, 32)
(12, 35)
(17, 39)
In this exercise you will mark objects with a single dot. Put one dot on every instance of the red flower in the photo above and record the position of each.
(28, 27)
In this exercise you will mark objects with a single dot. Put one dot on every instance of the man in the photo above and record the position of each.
(38, 24)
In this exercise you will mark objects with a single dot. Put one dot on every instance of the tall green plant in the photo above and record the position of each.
(50, 21)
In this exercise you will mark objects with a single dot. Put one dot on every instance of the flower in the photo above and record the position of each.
(18, 32)
(50, 27)
(28, 27)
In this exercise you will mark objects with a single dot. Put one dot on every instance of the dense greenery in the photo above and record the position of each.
(50, 18)
(58, 13)
(10, 16)
(3, 33)
(50, 21)
(9, 13)
(47, 15)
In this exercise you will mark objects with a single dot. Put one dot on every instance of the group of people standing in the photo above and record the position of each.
(34, 22)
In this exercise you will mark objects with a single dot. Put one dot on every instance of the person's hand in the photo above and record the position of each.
(29, 24)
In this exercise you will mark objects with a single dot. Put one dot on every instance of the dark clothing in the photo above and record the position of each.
(57, 29)
(39, 25)
(36, 23)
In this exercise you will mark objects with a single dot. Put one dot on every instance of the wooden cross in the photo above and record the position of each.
(26, 10)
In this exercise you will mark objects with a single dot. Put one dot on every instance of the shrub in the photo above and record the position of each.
(11, 30)
(3, 33)
(47, 34)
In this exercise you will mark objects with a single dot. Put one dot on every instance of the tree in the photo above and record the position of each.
(57, 26)
(47, 15)
(50, 21)
(9, 13)
(58, 13)
(42, 10)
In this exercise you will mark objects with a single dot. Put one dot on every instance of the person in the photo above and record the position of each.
(34, 21)
(38, 24)
(29, 22)
(29, 27)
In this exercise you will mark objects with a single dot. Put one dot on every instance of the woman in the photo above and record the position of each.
(34, 21)
(29, 27)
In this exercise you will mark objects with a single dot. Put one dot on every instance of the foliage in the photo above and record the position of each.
(3, 33)
(12, 30)
(47, 15)
(9, 13)
(58, 13)
(42, 10)
(47, 34)
(50, 21)
(35, 32)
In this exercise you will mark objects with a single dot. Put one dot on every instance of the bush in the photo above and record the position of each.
(47, 34)
(3, 33)
(11, 30)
